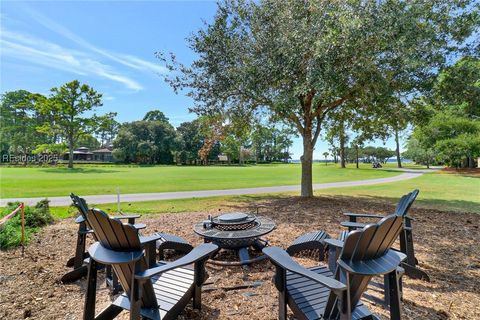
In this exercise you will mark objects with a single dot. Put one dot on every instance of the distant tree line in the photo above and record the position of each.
(449, 130)
(31, 123)
(441, 127)
(35, 124)
(154, 140)
(368, 154)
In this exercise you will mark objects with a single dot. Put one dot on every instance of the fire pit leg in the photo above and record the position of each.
(259, 244)
(244, 257)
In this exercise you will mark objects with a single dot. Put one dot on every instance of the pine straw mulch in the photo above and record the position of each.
(446, 245)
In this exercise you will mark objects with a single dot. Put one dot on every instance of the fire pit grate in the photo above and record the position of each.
(232, 222)
(236, 231)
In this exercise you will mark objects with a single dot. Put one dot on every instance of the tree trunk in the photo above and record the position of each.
(306, 159)
(397, 150)
(240, 156)
(70, 153)
(342, 153)
(342, 146)
(471, 162)
(356, 153)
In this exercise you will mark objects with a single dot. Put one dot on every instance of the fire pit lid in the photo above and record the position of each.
(233, 217)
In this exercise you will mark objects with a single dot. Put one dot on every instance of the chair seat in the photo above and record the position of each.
(171, 242)
(309, 241)
(170, 288)
(310, 298)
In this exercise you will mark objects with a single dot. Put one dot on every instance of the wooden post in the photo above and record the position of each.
(22, 206)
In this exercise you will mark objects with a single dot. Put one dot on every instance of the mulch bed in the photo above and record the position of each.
(446, 245)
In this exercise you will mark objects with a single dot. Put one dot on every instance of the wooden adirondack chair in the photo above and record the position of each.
(166, 241)
(318, 294)
(77, 261)
(401, 209)
(406, 236)
(158, 292)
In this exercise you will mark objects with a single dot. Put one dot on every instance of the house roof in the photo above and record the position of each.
(78, 152)
(104, 150)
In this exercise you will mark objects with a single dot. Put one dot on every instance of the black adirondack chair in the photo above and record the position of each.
(316, 293)
(166, 241)
(78, 260)
(153, 292)
(406, 236)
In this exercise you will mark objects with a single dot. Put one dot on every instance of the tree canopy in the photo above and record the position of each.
(67, 107)
(450, 134)
(149, 141)
(304, 59)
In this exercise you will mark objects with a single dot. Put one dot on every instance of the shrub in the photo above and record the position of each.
(35, 217)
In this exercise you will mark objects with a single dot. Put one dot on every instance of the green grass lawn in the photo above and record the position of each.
(444, 191)
(91, 180)
(408, 165)
(452, 192)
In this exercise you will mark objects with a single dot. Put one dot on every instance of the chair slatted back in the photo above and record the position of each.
(82, 207)
(80, 204)
(402, 204)
(406, 202)
(122, 237)
(413, 195)
(370, 243)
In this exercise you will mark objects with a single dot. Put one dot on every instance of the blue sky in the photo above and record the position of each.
(109, 45)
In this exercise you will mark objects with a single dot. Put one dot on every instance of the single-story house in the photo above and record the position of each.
(80, 154)
(84, 154)
(104, 155)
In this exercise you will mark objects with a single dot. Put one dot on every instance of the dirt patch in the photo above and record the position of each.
(463, 171)
(446, 245)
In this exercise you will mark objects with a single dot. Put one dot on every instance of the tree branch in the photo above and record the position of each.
(293, 117)
(317, 129)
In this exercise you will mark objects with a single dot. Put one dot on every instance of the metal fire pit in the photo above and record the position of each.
(236, 231)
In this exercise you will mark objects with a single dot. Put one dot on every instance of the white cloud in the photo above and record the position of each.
(90, 60)
(124, 59)
(41, 52)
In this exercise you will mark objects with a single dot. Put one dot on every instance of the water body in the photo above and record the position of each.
(329, 160)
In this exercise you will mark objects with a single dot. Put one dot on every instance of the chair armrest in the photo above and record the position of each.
(106, 256)
(363, 215)
(150, 238)
(129, 216)
(139, 226)
(281, 258)
(334, 243)
(88, 231)
(201, 252)
(353, 225)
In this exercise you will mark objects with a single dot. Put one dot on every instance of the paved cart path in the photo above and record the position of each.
(136, 197)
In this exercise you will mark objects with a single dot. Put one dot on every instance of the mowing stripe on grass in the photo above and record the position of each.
(135, 197)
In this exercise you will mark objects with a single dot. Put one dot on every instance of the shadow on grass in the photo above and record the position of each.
(78, 170)
(461, 206)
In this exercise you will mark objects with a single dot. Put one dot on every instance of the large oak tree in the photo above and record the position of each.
(69, 106)
(304, 59)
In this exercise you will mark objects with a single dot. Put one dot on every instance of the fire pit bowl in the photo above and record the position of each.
(236, 231)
